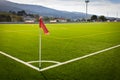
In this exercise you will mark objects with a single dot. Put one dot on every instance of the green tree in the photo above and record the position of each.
(102, 18)
(21, 13)
(5, 18)
(8, 18)
(94, 18)
(69, 20)
(47, 19)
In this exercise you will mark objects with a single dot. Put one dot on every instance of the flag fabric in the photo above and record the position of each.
(42, 25)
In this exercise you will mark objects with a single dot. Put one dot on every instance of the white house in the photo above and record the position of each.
(53, 21)
(61, 20)
(58, 20)
(29, 19)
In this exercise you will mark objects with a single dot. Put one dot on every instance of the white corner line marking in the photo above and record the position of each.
(76, 59)
(59, 64)
(47, 61)
(18, 60)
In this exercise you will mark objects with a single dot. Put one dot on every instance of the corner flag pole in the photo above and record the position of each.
(40, 48)
(42, 26)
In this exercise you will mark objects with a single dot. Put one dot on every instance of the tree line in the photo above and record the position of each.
(98, 18)
(13, 16)
(18, 16)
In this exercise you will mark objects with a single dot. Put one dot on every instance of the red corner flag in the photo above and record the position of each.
(42, 25)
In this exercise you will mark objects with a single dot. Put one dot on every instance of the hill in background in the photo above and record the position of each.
(40, 10)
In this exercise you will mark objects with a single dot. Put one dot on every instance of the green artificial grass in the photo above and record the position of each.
(65, 42)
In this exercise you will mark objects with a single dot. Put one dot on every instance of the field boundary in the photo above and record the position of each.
(58, 64)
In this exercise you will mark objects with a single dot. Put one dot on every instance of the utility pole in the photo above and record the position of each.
(87, 1)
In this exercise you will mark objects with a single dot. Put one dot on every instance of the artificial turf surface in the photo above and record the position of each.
(65, 42)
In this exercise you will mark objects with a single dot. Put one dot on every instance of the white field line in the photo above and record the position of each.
(18, 60)
(76, 59)
(59, 64)
(44, 61)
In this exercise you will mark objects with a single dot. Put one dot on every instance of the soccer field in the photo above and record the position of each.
(73, 51)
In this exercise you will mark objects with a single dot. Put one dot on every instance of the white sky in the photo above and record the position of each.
(98, 7)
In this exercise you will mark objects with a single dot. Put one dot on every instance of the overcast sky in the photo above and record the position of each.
(99, 7)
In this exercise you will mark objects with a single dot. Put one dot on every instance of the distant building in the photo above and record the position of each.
(28, 19)
(115, 20)
(53, 21)
(62, 20)
(108, 20)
